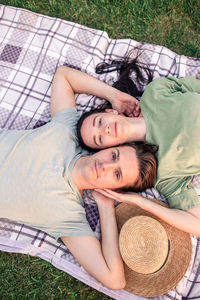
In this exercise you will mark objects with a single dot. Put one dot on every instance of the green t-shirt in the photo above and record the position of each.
(171, 108)
(35, 177)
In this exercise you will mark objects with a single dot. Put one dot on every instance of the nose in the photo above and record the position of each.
(107, 130)
(104, 130)
(107, 166)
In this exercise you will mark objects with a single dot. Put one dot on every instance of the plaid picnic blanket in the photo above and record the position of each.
(32, 46)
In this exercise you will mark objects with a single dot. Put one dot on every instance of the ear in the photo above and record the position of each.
(112, 111)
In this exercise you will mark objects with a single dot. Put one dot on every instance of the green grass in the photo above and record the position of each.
(171, 23)
(24, 277)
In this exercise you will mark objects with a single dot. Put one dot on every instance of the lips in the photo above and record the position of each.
(96, 168)
(115, 126)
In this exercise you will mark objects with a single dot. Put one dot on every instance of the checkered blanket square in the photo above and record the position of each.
(32, 46)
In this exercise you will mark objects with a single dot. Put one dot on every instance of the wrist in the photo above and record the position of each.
(112, 95)
(106, 206)
(138, 199)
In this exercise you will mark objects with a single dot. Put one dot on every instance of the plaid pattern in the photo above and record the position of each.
(32, 46)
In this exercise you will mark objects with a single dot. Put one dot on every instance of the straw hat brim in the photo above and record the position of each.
(165, 279)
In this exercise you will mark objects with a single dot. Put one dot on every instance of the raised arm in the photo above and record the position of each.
(68, 81)
(188, 221)
(101, 260)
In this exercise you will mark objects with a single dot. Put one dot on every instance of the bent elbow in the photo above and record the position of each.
(116, 284)
(60, 70)
(121, 285)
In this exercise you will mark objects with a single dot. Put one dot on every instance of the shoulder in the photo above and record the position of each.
(181, 84)
(66, 114)
(67, 117)
(159, 86)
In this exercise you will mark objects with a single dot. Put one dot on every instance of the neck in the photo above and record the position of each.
(137, 132)
(77, 175)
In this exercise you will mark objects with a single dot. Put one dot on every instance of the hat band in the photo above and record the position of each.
(164, 261)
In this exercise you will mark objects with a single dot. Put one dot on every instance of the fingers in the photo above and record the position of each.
(103, 201)
(106, 194)
(103, 192)
(113, 194)
(95, 193)
(137, 110)
(110, 191)
(131, 108)
(127, 104)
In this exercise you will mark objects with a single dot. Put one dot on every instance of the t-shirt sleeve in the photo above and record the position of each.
(76, 229)
(73, 223)
(184, 200)
(67, 117)
(162, 88)
(184, 85)
(179, 193)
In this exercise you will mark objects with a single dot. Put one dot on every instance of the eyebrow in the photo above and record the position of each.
(94, 137)
(93, 123)
(95, 141)
(120, 170)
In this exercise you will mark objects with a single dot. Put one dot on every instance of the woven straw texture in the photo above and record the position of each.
(143, 244)
(160, 282)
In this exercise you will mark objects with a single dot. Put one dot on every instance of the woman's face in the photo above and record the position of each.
(104, 129)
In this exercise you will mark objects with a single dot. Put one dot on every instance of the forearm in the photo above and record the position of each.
(81, 82)
(180, 219)
(68, 81)
(110, 240)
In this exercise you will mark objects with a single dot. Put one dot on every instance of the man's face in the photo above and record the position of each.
(104, 129)
(111, 168)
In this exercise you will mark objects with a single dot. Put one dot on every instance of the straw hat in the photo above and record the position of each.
(156, 255)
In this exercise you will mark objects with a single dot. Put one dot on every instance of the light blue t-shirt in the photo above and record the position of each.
(36, 186)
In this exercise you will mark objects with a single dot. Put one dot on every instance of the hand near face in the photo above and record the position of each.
(127, 104)
(127, 197)
(101, 199)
